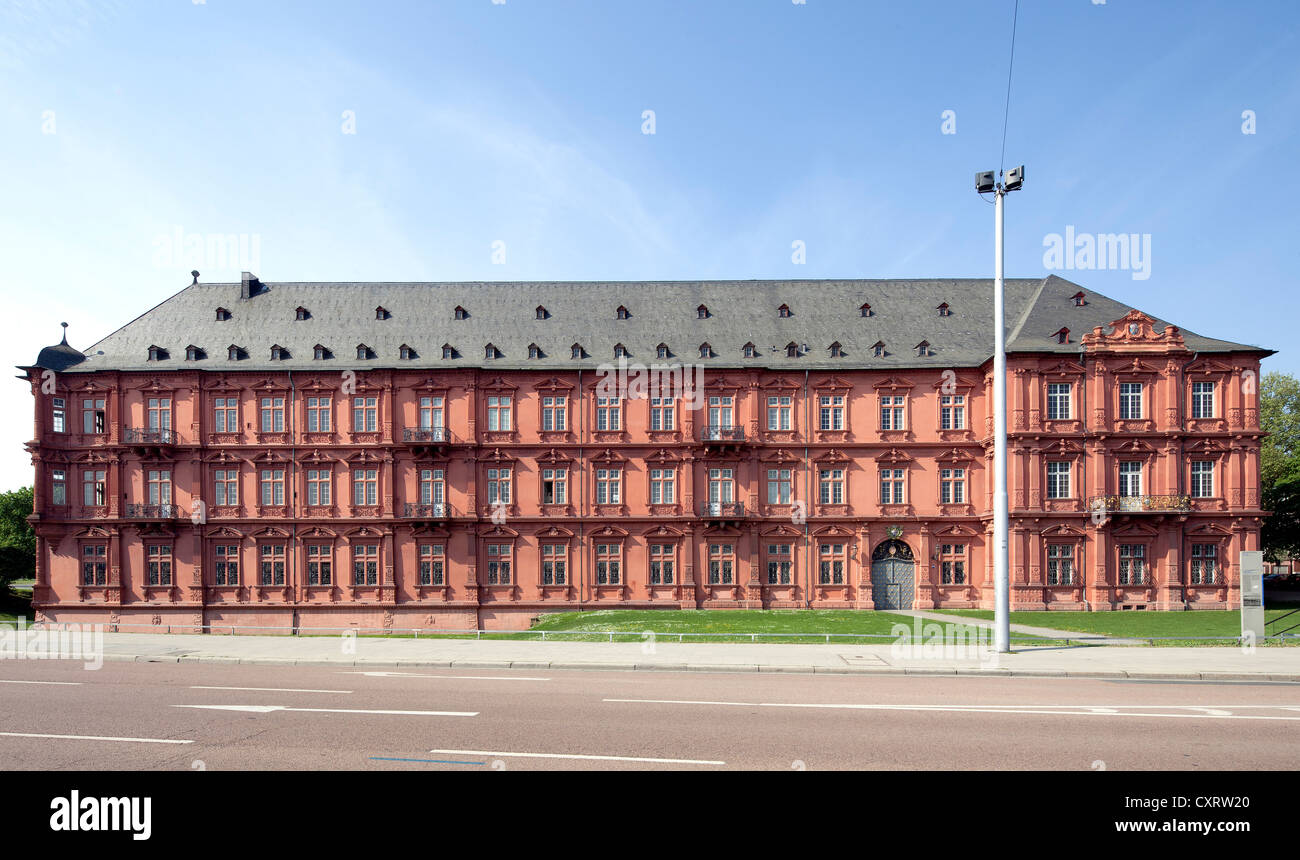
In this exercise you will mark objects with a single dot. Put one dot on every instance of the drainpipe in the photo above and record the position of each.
(580, 409)
(807, 480)
(293, 471)
(1083, 471)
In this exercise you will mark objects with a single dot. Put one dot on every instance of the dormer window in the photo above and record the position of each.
(576, 351)
(750, 350)
(623, 313)
(783, 311)
(543, 313)
(302, 314)
(1063, 336)
(792, 350)
(461, 313)
(944, 310)
(157, 353)
(491, 351)
(381, 313)
(535, 351)
(702, 312)
(837, 351)
(193, 353)
(222, 314)
(448, 351)
(878, 349)
(620, 351)
(706, 351)
(865, 309)
(364, 352)
(1080, 299)
(662, 351)
(923, 349)
(321, 352)
(278, 352)
(405, 352)
(234, 353)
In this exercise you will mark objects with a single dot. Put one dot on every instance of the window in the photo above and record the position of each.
(226, 563)
(1060, 564)
(381, 313)
(461, 313)
(159, 564)
(365, 414)
(431, 564)
(609, 563)
(831, 408)
(59, 412)
(661, 413)
(498, 413)
(622, 313)
(662, 484)
(783, 312)
(575, 351)
(750, 351)
(837, 350)
(405, 353)
(498, 566)
(1130, 400)
(609, 411)
(365, 564)
(952, 486)
(318, 414)
(1058, 401)
(878, 349)
(702, 312)
(891, 412)
(865, 309)
(364, 351)
(661, 351)
(780, 566)
(830, 566)
(301, 314)
(943, 310)
(222, 314)
(779, 411)
(94, 488)
(534, 351)
(59, 486)
(1202, 399)
(193, 353)
(792, 350)
(952, 563)
(555, 486)
(431, 414)
(542, 313)
(272, 487)
(706, 351)
(491, 351)
(448, 351)
(952, 412)
(319, 352)
(1205, 563)
(157, 353)
(721, 487)
(1203, 479)
(891, 486)
(923, 349)
(661, 564)
(780, 486)
(234, 353)
(608, 483)
(365, 486)
(830, 486)
(1058, 480)
(432, 486)
(225, 415)
(158, 483)
(320, 564)
(272, 414)
(620, 351)
(225, 487)
(555, 563)
(94, 564)
(277, 352)
(720, 411)
(272, 555)
(1132, 563)
(498, 486)
(722, 561)
(1130, 478)
(319, 486)
(92, 416)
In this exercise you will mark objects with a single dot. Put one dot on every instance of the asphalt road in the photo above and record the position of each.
(59, 716)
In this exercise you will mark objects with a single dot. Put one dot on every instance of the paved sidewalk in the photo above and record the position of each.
(1233, 663)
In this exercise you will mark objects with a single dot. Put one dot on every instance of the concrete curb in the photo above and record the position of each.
(914, 671)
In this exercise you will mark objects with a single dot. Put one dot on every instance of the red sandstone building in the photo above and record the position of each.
(453, 455)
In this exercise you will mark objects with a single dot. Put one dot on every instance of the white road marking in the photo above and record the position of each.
(52, 683)
(94, 738)
(451, 677)
(270, 689)
(266, 709)
(576, 756)
(1055, 710)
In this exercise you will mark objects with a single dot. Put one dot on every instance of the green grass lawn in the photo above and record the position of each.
(1210, 622)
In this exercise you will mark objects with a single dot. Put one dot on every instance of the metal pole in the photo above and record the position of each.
(1001, 582)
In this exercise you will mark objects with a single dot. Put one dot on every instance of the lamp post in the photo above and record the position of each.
(984, 184)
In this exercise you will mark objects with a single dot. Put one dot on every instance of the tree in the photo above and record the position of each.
(1279, 464)
(17, 540)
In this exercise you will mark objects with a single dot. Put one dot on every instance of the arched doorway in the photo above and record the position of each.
(893, 575)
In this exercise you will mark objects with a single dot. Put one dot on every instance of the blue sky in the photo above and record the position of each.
(522, 123)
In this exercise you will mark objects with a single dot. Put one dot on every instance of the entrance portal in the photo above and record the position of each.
(893, 575)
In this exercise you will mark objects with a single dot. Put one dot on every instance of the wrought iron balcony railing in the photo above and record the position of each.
(144, 436)
(722, 509)
(425, 512)
(426, 434)
(722, 434)
(152, 512)
(1140, 504)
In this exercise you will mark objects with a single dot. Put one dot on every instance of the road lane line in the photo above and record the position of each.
(577, 756)
(94, 738)
(1060, 710)
(451, 677)
(270, 689)
(266, 709)
(52, 683)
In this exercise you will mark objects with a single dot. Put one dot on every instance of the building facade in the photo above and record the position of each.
(461, 456)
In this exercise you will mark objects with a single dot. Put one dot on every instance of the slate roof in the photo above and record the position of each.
(421, 315)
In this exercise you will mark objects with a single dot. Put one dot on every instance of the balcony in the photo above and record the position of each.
(152, 512)
(426, 435)
(438, 511)
(1141, 504)
(722, 434)
(142, 436)
(722, 510)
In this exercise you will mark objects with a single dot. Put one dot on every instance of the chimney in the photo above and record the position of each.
(249, 285)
